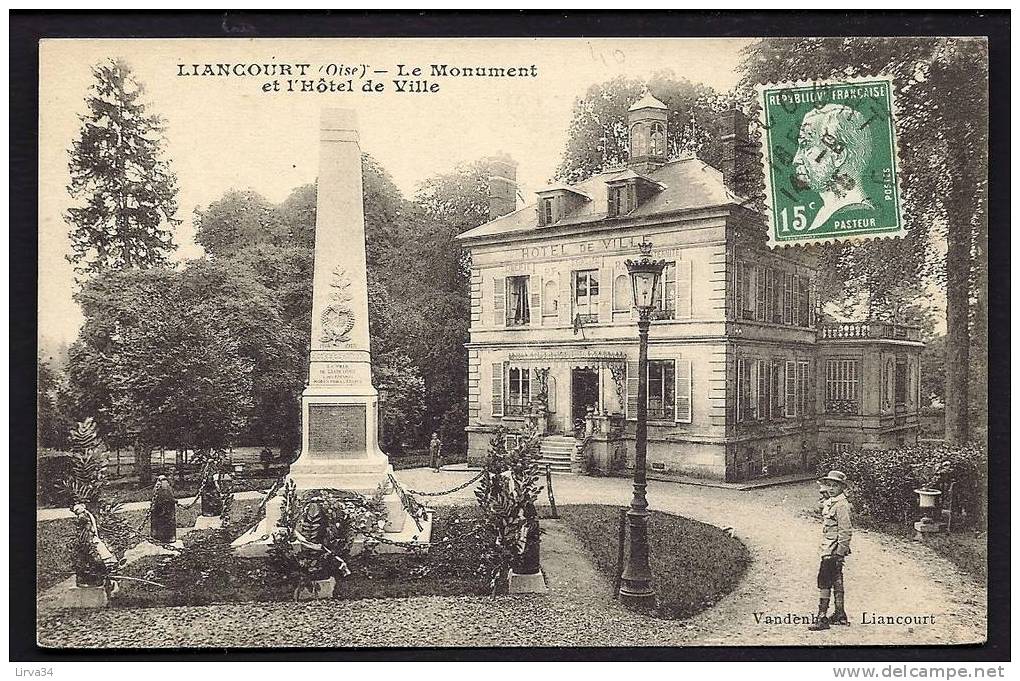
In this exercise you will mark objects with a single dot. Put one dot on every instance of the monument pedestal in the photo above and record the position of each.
(340, 407)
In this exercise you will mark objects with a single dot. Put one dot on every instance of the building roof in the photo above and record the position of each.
(686, 184)
(647, 102)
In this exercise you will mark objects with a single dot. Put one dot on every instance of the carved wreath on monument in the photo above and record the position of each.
(338, 317)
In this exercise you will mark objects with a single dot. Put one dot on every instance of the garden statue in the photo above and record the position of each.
(217, 492)
(163, 512)
(225, 488)
(527, 562)
(92, 559)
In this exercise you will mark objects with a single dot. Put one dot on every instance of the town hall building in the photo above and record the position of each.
(744, 380)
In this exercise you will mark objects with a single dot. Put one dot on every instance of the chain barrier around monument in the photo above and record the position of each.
(449, 491)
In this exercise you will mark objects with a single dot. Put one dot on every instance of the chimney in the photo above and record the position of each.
(738, 153)
(502, 185)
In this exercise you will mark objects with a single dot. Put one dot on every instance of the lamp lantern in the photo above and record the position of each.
(645, 274)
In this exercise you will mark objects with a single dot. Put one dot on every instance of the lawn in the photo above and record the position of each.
(53, 537)
(207, 572)
(694, 564)
(966, 547)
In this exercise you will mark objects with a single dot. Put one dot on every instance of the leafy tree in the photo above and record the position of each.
(933, 371)
(238, 220)
(598, 136)
(435, 278)
(53, 423)
(942, 131)
(126, 191)
(401, 412)
(297, 215)
(161, 364)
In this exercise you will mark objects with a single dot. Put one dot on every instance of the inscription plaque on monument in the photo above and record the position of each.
(337, 429)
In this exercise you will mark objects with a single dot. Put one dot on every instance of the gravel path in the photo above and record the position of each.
(885, 576)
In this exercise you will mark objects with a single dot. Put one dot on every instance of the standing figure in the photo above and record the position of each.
(435, 452)
(836, 534)
(163, 512)
(92, 559)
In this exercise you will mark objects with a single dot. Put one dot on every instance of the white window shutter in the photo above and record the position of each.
(682, 394)
(792, 387)
(535, 291)
(741, 407)
(683, 289)
(755, 412)
(497, 388)
(499, 301)
(632, 390)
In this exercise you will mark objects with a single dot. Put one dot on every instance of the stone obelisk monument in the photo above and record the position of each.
(339, 407)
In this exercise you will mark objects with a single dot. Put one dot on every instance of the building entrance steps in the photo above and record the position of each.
(557, 452)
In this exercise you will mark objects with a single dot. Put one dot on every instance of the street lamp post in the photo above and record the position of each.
(636, 589)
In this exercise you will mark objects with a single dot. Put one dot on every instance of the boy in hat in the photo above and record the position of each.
(836, 534)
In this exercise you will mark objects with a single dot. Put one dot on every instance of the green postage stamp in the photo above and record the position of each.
(831, 167)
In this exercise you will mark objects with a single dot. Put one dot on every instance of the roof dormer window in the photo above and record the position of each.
(546, 211)
(622, 199)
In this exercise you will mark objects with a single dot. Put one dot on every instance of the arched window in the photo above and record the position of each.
(658, 140)
(889, 383)
(639, 140)
(621, 293)
(549, 303)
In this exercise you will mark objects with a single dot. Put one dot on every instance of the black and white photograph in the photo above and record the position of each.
(371, 343)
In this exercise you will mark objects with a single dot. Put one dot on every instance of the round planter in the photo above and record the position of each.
(926, 497)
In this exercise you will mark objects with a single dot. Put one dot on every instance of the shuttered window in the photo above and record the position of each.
(661, 390)
(760, 296)
(586, 295)
(667, 292)
(743, 390)
(684, 289)
(791, 390)
(683, 391)
(518, 304)
(497, 388)
(804, 401)
(536, 299)
(499, 301)
(518, 390)
(632, 390)
(788, 298)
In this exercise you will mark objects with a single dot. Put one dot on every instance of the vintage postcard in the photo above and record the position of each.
(389, 343)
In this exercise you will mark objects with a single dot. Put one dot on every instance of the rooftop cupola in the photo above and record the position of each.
(646, 124)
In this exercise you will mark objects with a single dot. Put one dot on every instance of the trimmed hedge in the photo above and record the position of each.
(882, 482)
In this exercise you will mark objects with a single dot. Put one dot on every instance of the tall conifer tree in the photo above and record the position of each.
(126, 193)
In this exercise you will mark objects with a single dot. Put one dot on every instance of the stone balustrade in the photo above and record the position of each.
(868, 330)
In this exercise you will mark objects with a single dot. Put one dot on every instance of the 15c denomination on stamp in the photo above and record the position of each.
(831, 166)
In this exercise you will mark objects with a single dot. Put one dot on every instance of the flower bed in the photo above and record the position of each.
(208, 572)
(694, 564)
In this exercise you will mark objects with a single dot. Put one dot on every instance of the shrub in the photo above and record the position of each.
(882, 482)
(508, 486)
(51, 471)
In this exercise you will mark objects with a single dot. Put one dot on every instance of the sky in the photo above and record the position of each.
(226, 133)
